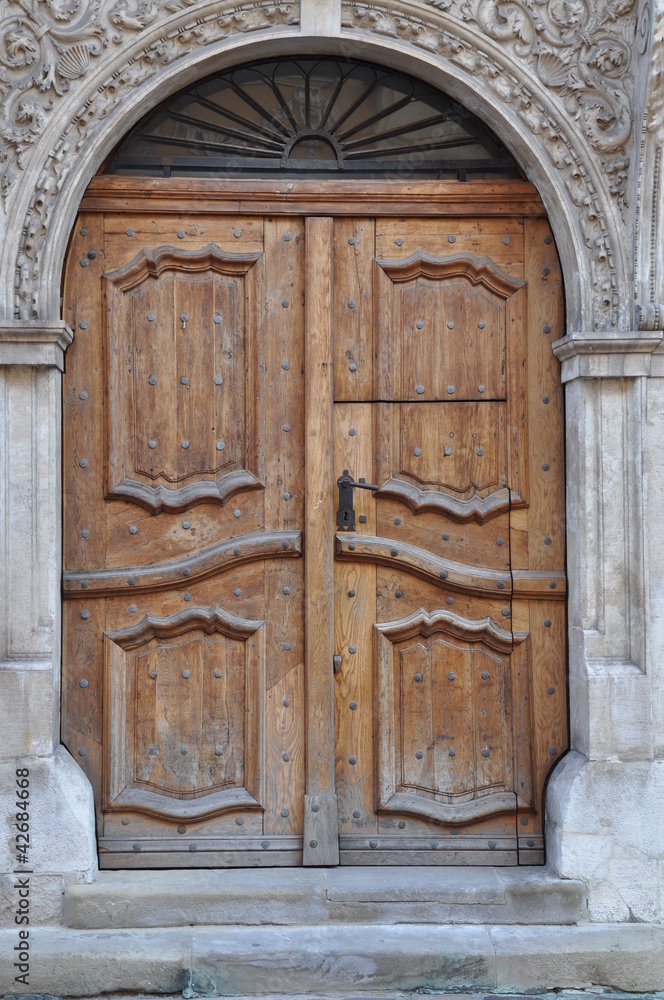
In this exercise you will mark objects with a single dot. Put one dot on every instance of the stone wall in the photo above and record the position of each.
(575, 90)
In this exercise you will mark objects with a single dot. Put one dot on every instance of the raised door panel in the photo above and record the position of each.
(185, 381)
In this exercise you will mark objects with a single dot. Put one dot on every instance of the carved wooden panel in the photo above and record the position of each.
(441, 328)
(184, 714)
(182, 377)
(442, 706)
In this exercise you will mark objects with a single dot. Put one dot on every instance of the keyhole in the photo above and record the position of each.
(346, 517)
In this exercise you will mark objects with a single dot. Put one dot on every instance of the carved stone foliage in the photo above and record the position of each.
(36, 92)
(578, 56)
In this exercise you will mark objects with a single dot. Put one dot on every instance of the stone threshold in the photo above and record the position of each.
(294, 896)
(321, 960)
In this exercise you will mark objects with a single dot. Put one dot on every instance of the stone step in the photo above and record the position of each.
(321, 960)
(285, 896)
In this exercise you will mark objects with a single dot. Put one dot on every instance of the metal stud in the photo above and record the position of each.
(352, 649)
(137, 847)
(352, 367)
(153, 675)
(217, 318)
(133, 609)
(447, 451)
(419, 755)
(352, 432)
(524, 821)
(284, 303)
(217, 673)
(445, 536)
(452, 752)
(152, 443)
(186, 524)
(184, 751)
(450, 600)
(186, 673)
(353, 706)
(313, 843)
(237, 592)
(184, 380)
(356, 814)
(125, 821)
(506, 240)
(352, 760)
(394, 552)
(419, 389)
(549, 690)
(450, 389)
(553, 751)
(451, 676)
(480, 451)
(451, 239)
(500, 541)
(131, 580)
(481, 388)
(545, 399)
(547, 239)
(220, 445)
(130, 232)
(84, 683)
(286, 495)
(485, 752)
(287, 646)
(237, 551)
(284, 544)
(85, 262)
(397, 520)
(434, 845)
(545, 271)
(85, 533)
(417, 451)
(84, 584)
(286, 703)
(218, 380)
(352, 240)
(284, 813)
(492, 845)
(153, 751)
(485, 675)
(181, 234)
(285, 365)
(417, 678)
(286, 427)
(547, 623)
(351, 303)
(84, 231)
(184, 317)
(501, 585)
(552, 585)
(81, 751)
(287, 591)
(419, 324)
(399, 241)
(85, 614)
(83, 325)
(187, 597)
(286, 757)
(401, 825)
(546, 329)
(450, 325)
(481, 324)
(443, 574)
(237, 234)
(152, 380)
(240, 820)
(351, 593)
(237, 512)
(505, 612)
(363, 518)
(182, 829)
(83, 463)
(545, 467)
(151, 317)
(185, 444)
(398, 593)
(133, 530)
(286, 237)
(315, 807)
(547, 540)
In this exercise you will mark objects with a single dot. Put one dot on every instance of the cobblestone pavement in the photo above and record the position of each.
(588, 993)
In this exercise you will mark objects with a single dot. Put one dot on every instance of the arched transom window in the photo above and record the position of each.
(312, 117)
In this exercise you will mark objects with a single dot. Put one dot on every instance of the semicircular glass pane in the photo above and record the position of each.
(312, 117)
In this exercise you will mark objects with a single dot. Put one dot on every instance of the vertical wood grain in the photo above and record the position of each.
(321, 847)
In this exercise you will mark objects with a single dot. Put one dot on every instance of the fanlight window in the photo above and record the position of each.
(312, 117)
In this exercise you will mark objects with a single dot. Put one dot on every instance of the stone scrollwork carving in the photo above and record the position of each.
(181, 35)
(47, 46)
(579, 53)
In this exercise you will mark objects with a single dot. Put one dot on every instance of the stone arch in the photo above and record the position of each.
(567, 156)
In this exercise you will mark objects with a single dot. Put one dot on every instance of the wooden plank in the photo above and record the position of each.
(319, 516)
(289, 197)
(353, 328)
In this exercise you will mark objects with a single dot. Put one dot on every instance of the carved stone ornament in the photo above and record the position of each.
(580, 54)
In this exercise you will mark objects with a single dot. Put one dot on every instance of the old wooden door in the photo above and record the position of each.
(245, 681)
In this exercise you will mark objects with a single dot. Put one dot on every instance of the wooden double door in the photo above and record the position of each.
(263, 666)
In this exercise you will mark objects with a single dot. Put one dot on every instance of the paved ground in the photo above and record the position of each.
(580, 994)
